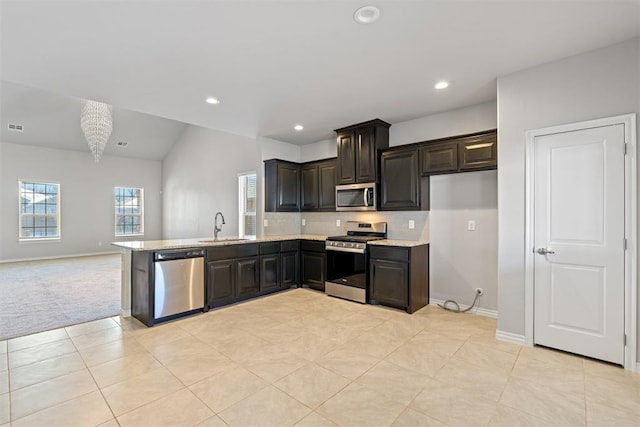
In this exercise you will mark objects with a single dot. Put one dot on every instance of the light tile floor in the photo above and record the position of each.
(301, 358)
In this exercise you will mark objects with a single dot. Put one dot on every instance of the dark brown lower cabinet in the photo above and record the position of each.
(220, 282)
(233, 273)
(270, 269)
(290, 258)
(399, 276)
(247, 277)
(313, 261)
(389, 282)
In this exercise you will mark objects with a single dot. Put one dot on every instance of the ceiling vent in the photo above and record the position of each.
(15, 128)
(122, 144)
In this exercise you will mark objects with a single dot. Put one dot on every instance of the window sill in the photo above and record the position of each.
(125, 236)
(40, 240)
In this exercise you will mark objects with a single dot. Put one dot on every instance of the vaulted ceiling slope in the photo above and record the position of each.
(277, 63)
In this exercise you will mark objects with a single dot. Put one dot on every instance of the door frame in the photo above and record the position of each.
(630, 227)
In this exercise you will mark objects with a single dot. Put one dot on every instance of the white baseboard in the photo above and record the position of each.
(510, 337)
(47, 258)
(479, 311)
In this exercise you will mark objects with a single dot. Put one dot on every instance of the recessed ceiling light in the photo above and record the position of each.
(442, 85)
(213, 101)
(298, 127)
(366, 15)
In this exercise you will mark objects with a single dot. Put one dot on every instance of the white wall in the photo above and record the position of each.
(460, 260)
(200, 178)
(86, 198)
(596, 84)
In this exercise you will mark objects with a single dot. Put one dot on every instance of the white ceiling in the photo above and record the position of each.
(277, 63)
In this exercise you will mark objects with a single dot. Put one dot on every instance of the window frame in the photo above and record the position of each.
(58, 214)
(242, 191)
(115, 212)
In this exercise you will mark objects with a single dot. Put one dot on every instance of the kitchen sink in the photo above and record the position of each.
(225, 239)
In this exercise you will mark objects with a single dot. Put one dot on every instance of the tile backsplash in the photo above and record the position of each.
(325, 223)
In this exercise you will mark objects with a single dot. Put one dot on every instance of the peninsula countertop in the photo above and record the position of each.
(158, 245)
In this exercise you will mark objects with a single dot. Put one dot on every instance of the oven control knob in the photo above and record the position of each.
(350, 245)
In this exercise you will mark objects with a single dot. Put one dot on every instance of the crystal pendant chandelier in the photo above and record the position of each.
(96, 124)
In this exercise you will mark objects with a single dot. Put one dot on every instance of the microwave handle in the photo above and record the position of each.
(365, 192)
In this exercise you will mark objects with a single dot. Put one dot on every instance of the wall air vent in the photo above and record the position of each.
(15, 128)
(122, 144)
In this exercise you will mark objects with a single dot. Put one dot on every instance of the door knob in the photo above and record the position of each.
(545, 251)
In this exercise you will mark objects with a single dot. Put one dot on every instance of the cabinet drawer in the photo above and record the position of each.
(391, 253)
(289, 245)
(312, 245)
(269, 248)
(232, 251)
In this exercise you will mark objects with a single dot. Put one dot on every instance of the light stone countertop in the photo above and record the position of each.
(400, 243)
(157, 245)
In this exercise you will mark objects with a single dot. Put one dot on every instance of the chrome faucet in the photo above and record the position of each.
(217, 229)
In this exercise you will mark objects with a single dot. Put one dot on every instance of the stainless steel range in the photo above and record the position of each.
(347, 259)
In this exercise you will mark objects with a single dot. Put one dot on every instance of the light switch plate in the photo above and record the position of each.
(337, 223)
(304, 222)
(265, 222)
(412, 224)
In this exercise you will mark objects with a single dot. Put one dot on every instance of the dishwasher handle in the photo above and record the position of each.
(175, 255)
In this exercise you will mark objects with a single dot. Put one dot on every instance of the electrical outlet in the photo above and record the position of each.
(479, 291)
(412, 224)
(99, 243)
(304, 222)
(265, 222)
(337, 223)
(471, 225)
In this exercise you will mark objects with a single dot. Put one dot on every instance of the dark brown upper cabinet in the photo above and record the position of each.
(319, 185)
(327, 175)
(439, 158)
(478, 152)
(401, 188)
(282, 186)
(358, 147)
(459, 153)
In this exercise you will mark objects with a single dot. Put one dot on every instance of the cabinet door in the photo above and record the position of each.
(439, 158)
(288, 188)
(269, 272)
(290, 270)
(400, 183)
(389, 282)
(327, 173)
(313, 269)
(346, 158)
(478, 152)
(309, 197)
(366, 154)
(220, 282)
(247, 277)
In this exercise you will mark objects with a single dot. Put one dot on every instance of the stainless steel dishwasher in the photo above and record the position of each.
(179, 282)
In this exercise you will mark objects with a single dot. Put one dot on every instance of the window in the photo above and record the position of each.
(129, 211)
(247, 208)
(39, 210)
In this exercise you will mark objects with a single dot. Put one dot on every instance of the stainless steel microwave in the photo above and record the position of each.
(356, 197)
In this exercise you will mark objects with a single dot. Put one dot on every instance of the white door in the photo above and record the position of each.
(579, 242)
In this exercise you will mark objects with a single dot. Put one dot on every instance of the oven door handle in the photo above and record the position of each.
(352, 250)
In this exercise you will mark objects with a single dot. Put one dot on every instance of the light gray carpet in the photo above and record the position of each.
(38, 296)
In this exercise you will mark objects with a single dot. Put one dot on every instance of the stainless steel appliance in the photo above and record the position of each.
(356, 197)
(347, 259)
(179, 282)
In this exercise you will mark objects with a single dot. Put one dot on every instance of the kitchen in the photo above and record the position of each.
(206, 162)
